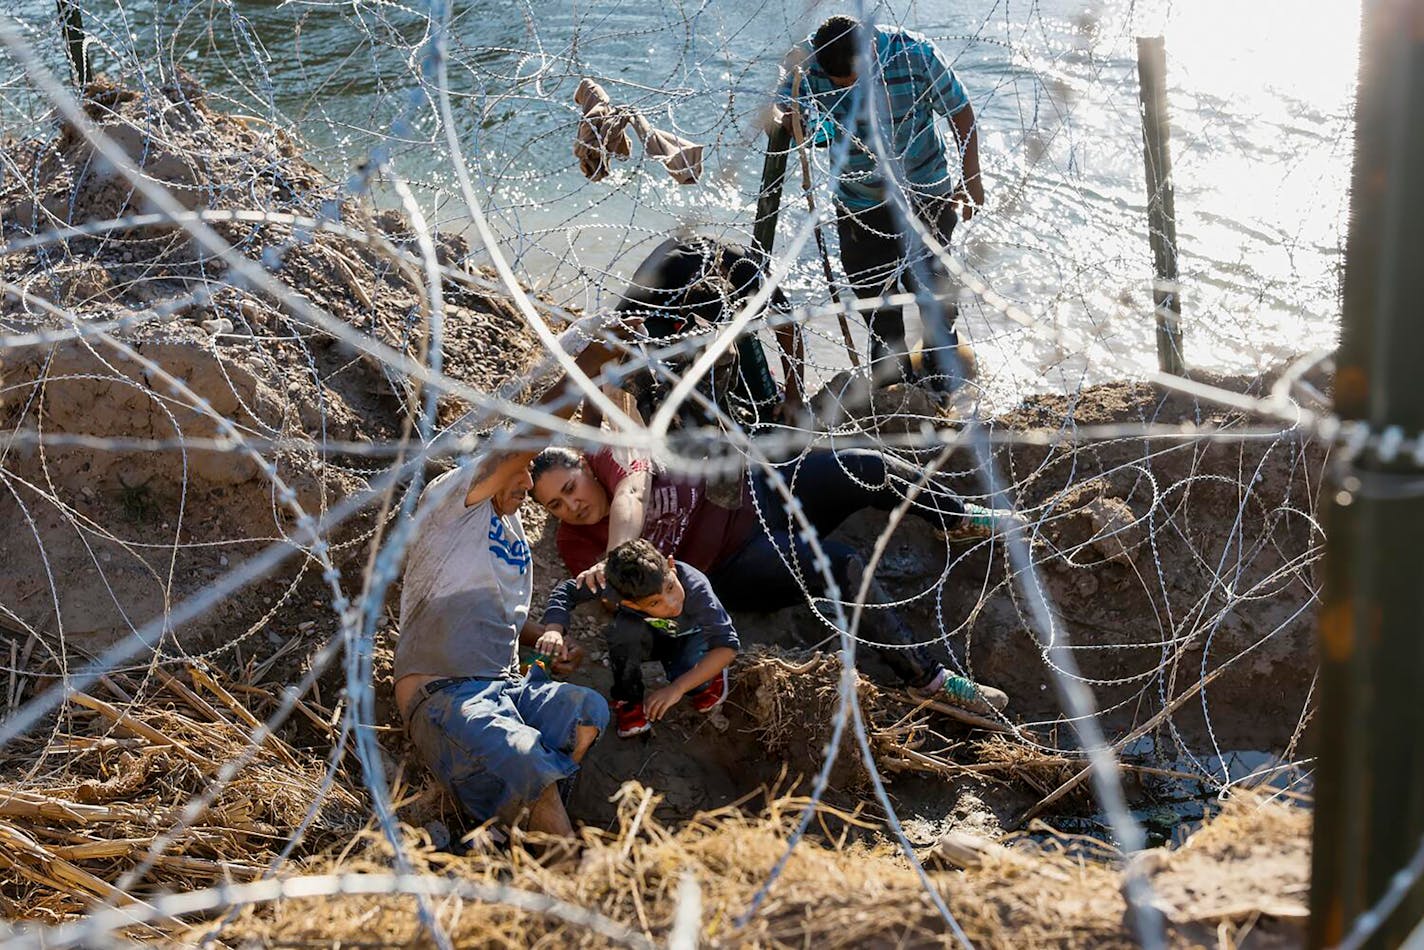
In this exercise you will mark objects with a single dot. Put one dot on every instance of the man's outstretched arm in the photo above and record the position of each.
(496, 471)
(948, 97)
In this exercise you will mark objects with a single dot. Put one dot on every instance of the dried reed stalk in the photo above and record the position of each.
(271, 741)
(15, 803)
(124, 721)
(70, 845)
(27, 856)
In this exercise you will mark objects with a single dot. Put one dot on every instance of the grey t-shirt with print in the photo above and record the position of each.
(468, 581)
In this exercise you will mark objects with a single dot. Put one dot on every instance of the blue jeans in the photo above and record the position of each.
(631, 641)
(497, 744)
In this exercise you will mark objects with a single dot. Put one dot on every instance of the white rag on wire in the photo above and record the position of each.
(603, 135)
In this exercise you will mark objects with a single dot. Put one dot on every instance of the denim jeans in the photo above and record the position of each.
(631, 641)
(497, 744)
(875, 262)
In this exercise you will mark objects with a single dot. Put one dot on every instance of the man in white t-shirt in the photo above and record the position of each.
(500, 741)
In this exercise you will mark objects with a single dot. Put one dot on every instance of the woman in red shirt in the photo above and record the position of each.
(753, 553)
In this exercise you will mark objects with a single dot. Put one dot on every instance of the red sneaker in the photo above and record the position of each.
(710, 694)
(631, 719)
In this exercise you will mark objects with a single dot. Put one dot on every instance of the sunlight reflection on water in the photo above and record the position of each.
(1260, 99)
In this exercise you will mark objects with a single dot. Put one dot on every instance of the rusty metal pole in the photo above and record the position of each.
(1161, 201)
(1369, 817)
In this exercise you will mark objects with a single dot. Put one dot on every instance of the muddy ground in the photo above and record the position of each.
(1170, 562)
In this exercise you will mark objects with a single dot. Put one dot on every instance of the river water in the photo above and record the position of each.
(1260, 99)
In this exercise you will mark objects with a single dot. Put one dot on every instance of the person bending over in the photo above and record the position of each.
(912, 82)
(688, 287)
(761, 563)
(666, 612)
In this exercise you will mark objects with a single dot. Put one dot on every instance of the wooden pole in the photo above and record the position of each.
(72, 21)
(1369, 817)
(754, 366)
(773, 173)
(1161, 205)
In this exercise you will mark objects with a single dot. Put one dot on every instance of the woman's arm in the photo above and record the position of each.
(628, 506)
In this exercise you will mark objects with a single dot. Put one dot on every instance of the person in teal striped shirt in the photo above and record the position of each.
(911, 83)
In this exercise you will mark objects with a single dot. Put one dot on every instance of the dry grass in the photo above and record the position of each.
(129, 790)
(105, 795)
(842, 895)
(830, 894)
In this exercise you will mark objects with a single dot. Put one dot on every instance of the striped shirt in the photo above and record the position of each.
(916, 81)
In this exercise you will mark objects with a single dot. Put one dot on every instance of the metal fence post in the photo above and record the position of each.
(1161, 203)
(72, 22)
(773, 174)
(1369, 817)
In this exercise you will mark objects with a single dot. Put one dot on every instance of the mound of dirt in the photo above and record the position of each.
(229, 395)
(1181, 571)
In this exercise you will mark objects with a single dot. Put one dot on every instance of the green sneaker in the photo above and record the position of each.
(980, 522)
(960, 691)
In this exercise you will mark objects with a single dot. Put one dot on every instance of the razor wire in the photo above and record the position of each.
(409, 51)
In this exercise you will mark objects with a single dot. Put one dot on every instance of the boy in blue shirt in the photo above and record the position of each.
(666, 612)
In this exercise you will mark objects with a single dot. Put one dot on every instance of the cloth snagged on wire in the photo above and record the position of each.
(602, 136)
(602, 131)
(682, 159)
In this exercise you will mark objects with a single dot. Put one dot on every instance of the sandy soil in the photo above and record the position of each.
(122, 533)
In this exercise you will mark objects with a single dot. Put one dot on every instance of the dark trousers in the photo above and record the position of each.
(631, 641)
(873, 253)
(769, 572)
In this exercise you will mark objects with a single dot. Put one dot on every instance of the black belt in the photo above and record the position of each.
(429, 689)
(435, 686)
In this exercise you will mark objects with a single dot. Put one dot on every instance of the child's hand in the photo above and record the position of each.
(657, 705)
(573, 659)
(551, 644)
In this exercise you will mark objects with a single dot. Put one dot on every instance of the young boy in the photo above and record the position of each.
(666, 612)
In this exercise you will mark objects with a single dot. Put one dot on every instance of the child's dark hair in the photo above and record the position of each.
(636, 569)
(555, 456)
(836, 45)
